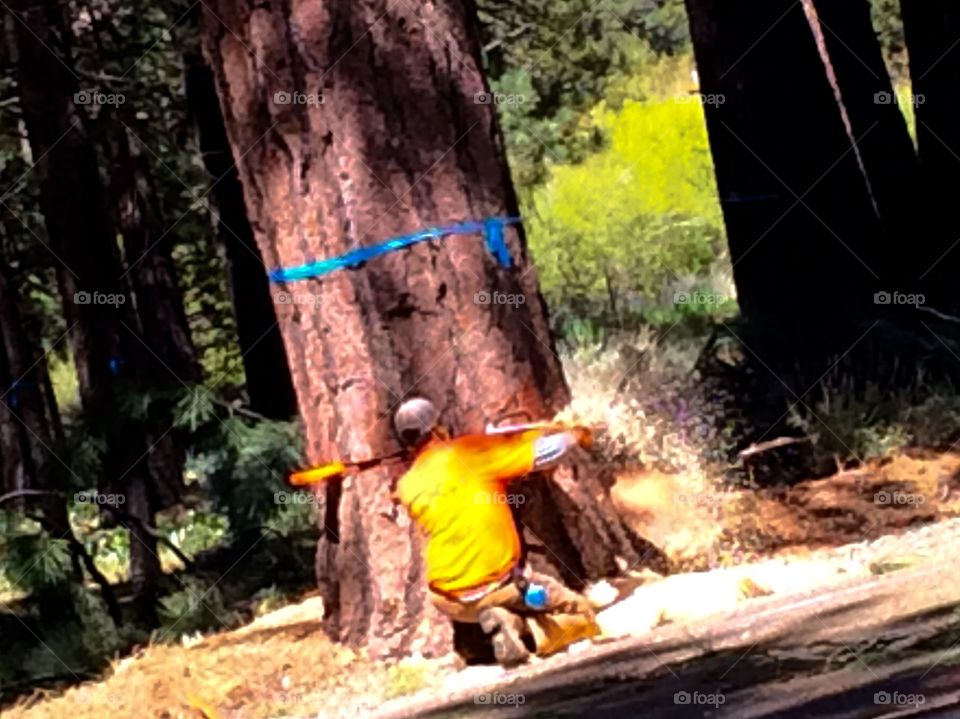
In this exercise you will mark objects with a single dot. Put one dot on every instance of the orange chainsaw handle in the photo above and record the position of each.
(337, 470)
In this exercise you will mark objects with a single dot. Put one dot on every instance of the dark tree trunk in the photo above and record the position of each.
(52, 410)
(12, 473)
(397, 144)
(83, 243)
(932, 29)
(778, 135)
(26, 405)
(147, 247)
(269, 385)
(853, 60)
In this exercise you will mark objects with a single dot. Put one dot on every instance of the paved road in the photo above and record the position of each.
(885, 646)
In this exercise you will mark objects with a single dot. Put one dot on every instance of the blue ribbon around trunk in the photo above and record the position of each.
(491, 228)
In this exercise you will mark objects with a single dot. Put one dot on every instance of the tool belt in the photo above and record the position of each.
(517, 575)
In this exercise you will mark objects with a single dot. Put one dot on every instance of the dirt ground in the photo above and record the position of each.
(814, 534)
(701, 525)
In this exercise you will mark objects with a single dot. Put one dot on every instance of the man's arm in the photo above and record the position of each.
(551, 448)
(509, 456)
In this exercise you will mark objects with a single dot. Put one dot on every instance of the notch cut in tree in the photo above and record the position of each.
(353, 122)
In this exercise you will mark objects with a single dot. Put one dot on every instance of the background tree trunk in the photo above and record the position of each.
(884, 147)
(269, 385)
(398, 144)
(12, 472)
(778, 135)
(25, 401)
(147, 247)
(83, 242)
(932, 28)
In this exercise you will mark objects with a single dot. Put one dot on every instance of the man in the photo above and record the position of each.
(456, 491)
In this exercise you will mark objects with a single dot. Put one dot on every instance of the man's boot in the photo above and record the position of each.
(506, 629)
(554, 632)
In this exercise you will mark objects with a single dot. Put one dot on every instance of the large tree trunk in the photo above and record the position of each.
(398, 144)
(932, 28)
(83, 244)
(780, 135)
(269, 385)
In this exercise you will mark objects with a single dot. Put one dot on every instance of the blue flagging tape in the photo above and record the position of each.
(14, 391)
(116, 364)
(491, 228)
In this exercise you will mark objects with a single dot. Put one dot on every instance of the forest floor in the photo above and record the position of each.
(764, 559)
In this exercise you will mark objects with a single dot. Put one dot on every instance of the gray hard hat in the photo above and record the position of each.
(415, 418)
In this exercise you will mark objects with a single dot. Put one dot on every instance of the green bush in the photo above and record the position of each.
(619, 228)
(197, 607)
(34, 561)
(243, 464)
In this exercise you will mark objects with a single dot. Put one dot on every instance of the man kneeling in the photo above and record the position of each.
(456, 491)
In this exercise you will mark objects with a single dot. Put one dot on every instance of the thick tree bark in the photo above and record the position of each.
(397, 144)
(83, 242)
(932, 29)
(269, 385)
(780, 135)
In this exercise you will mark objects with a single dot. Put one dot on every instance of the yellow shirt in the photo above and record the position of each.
(456, 492)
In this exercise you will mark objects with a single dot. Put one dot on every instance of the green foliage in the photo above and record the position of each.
(66, 387)
(32, 560)
(633, 217)
(269, 599)
(83, 643)
(243, 464)
(193, 532)
(888, 24)
(198, 606)
(874, 422)
(560, 57)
